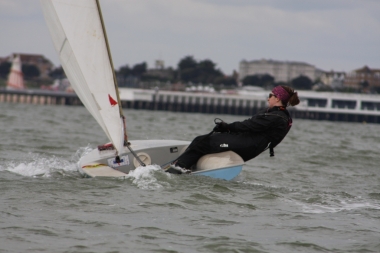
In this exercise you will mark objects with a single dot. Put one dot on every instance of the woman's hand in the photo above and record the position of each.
(221, 127)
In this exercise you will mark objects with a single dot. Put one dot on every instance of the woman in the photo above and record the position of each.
(247, 138)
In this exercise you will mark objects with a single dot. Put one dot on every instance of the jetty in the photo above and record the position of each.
(332, 106)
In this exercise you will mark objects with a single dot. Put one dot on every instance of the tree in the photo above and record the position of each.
(259, 80)
(203, 72)
(5, 69)
(207, 66)
(226, 80)
(139, 69)
(281, 83)
(30, 71)
(124, 76)
(187, 63)
(187, 68)
(57, 73)
(302, 83)
(207, 72)
(253, 80)
(266, 80)
(189, 75)
(124, 71)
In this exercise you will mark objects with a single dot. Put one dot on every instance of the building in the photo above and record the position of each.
(334, 79)
(282, 71)
(363, 78)
(43, 64)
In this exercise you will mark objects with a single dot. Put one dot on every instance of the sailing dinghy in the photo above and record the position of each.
(80, 39)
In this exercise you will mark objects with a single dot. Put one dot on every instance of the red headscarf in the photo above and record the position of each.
(281, 94)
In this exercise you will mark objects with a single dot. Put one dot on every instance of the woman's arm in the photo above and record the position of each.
(257, 123)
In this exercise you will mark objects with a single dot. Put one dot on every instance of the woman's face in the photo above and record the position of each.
(272, 100)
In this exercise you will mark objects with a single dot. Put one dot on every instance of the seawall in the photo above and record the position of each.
(315, 106)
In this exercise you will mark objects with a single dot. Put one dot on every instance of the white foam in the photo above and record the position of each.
(144, 177)
(40, 166)
(343, 206)
(82, 152)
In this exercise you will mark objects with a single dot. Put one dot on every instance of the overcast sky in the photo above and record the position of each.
(340, 35)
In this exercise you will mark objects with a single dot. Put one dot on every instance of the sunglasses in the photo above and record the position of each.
(272, 95)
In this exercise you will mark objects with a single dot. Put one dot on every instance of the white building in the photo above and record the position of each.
(282, 71)
(334, 79)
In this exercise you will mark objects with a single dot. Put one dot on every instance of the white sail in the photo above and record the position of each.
(16, 78)
(78, 36)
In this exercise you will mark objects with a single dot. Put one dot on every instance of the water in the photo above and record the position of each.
(320, 193)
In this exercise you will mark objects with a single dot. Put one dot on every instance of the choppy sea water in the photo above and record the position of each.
(320, 193)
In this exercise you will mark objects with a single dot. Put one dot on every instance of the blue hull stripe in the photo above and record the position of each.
(223, 173)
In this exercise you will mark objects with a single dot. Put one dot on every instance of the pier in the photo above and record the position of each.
(314, 105)
(40, 97)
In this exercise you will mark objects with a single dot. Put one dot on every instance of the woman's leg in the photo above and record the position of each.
(200, 146)
(188, 159)
(244, 144)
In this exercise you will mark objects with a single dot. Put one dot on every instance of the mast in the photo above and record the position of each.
(113, 70)
(126, 143)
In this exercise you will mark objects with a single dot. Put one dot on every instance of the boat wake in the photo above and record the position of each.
(150, 177)
(40, 166)
(147, 177)
(316, 203)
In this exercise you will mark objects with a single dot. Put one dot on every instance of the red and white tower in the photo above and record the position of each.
(16, 77)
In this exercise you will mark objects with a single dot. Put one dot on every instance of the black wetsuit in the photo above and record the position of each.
(247, 138)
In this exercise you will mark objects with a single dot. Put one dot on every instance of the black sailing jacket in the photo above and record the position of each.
(269, 126)
(250, 137)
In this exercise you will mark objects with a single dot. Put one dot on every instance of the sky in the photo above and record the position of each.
(339, 35)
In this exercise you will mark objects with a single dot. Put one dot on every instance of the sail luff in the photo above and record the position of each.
(109, 54)
(113, 72)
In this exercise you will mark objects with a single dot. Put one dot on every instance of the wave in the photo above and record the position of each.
(36, 165)
(42, 165)
(343, 206)
(150, 177)
(147, 177)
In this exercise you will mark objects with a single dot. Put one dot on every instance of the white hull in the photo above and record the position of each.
(226, 165)
(159, 152)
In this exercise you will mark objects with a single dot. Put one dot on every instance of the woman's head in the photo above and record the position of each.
(286, 95)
